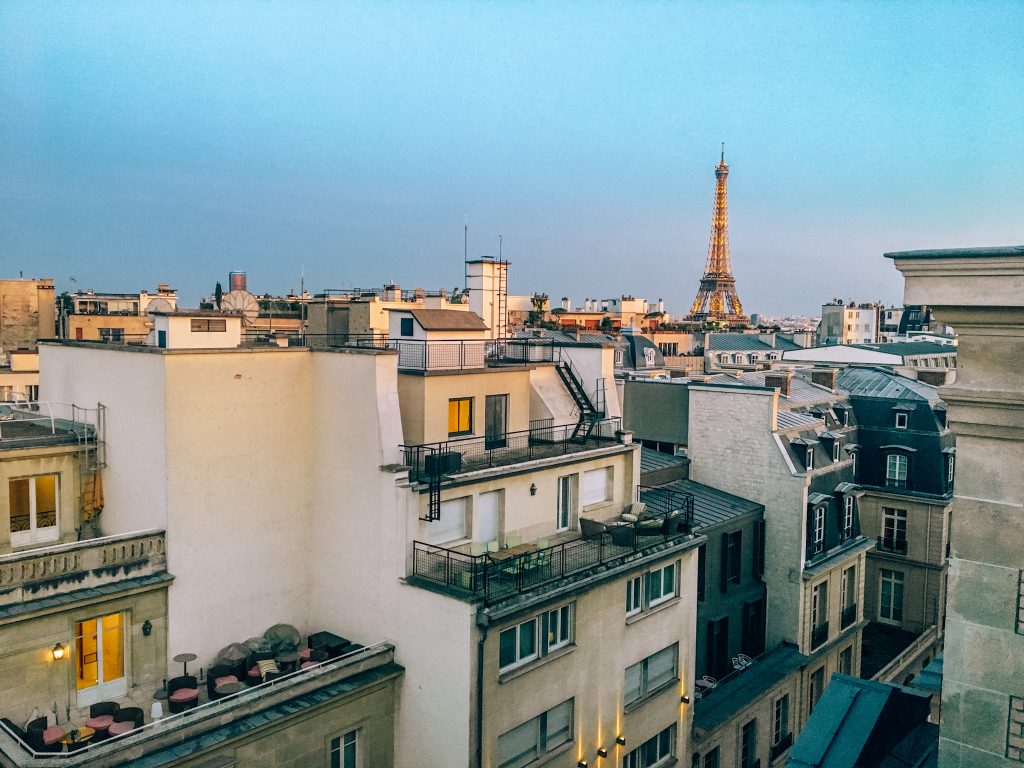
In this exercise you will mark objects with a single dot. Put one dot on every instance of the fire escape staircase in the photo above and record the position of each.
(589, 413)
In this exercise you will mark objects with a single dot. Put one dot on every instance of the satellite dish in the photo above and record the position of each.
(159, 305)
(240, 301)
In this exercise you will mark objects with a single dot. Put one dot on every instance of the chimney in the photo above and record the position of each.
(566, 305)
(825, 377)
(780, 380)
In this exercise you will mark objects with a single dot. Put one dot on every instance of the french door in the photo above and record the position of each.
(100, 673)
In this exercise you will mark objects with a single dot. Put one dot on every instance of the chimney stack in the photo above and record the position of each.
(779, 380)
(825, 377)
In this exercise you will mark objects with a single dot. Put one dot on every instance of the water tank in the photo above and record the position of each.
(236, 281)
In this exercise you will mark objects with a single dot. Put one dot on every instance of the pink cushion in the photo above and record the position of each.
(255, 672)
(185, 694)
(100, 723)
(304, 653)
(118, 728)
(53, 734)
(308, 664)
(225, 679)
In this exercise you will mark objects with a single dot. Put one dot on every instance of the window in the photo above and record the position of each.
(819, 614)
(819, 530)
(849, 596)
(537, 737)
(653, 752)
(844, 416)
(451, 523)
(814, 689)
(853, 468)
(780, 719)
(536, 637)
(34, 504)
(566, 502)
(890, 597)
(748, 745)
(752, 643)
(100, 659)
(949, 472)
(732, 555)
(717, 659)
(702, 565)
(835, 450)
(894, 530)
(652, 588)
(460, 416)
(405, 326)
(846, 661)
(647, 676)
(344, 750)
(495, 421)
(597, 486)
(896, 470)
(711, 759)
(847, 516)
(208, 325)
(112, 334)
(809, 458)
(902, 417)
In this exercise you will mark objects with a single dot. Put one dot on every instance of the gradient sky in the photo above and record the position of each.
(148, 142)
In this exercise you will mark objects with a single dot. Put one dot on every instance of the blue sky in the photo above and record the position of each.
(149, 142)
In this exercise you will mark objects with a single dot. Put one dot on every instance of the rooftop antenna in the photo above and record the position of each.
(499, 247)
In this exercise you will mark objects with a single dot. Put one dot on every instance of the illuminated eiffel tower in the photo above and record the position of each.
(717, 301)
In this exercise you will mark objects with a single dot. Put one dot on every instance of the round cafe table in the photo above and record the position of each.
(226, 689)
(184, 659)
(81, 734)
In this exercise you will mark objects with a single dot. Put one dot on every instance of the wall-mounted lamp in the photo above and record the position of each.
(581, 764)
(684, 699)
(602, 752)
(620, 740)
(58, 651)
(147, 627)
(533, 489)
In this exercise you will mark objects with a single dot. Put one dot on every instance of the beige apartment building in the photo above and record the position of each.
(27, 313)
(119, 318)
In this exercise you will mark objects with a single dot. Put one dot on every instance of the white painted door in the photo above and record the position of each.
(485, 526)
(100, 673)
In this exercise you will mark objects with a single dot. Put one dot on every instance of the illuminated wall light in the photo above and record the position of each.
(620, 740)
(602, 752)
(58, 651)
(684, 699)
(581, 764)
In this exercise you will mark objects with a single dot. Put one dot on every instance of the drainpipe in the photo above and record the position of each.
(480, 697)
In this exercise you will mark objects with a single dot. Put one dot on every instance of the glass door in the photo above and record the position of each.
(495, 421)
(99, 659)
(34, 510)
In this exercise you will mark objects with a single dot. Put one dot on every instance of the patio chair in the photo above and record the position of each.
(43, 737)
(591, 529)
(101, 717)
(182, 693)
(623, 535)
(126, 719)
(634, 512)
(217, 674)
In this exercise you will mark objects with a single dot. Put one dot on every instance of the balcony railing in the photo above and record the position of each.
(849, 615)
(819, 634)
(465, 454)
(777, 749)
(494, 577)
(887, 544)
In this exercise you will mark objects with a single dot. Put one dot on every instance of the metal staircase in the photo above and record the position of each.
(589, 415)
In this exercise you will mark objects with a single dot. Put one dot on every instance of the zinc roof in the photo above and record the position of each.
(789, 419)
(876, 382)
(710, 505)
(910, 348)
(746, 342)
(651, 460)
(800, 390)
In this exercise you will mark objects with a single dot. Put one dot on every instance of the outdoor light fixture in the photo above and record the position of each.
(58, 651)
(620, 740)
(602, 752)
(581, 764)
(684, 699)
(533, 489)
(147, 627)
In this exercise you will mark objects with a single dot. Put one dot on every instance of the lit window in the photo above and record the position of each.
(33, 512)
(344, 750)
(535, 738)
(460, 416)
(650, 674)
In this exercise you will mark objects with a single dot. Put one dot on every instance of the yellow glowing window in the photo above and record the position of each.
(100, 651)
(33, 505)
(460, 416)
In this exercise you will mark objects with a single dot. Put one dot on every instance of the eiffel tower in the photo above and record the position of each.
(717, 301)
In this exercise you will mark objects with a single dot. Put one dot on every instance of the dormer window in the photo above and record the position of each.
(819, 530)
(902, 418)
(847, 515)
(843, 415)
(853, 458)
(896, 470)
(809, 458)
(835, 451)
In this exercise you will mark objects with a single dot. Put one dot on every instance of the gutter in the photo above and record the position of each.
(480, 697)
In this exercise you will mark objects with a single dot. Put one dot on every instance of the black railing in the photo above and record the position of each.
(119, 339)
(784, 743)
(495, 576)
(849, 615)
(887, 544)
(819, 634)
(465, 454)
(662, 502)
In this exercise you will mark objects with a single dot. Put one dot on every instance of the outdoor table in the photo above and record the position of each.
(76, 737)
(184, 659)
(516, 551)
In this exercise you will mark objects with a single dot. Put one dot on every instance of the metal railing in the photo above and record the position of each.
(895, 546)
(465, 454)
(494, 579)
(119, 339)
(784, 743)
(666, 501)
(849, 616)
(819, 634)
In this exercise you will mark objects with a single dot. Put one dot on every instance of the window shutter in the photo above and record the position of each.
(724, 561)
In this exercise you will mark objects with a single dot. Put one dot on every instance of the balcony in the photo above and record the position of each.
(894, 546)
(58, 572)
(819, 635)
(849, 616)
(430, 461)
(777, 749)
(177, 735)
(495, 576)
